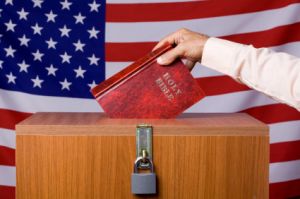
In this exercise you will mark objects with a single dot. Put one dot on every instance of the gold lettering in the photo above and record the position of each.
(168, 86)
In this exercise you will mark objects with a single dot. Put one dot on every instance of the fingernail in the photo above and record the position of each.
(160, 60)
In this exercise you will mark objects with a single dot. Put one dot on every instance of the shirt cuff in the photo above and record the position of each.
(219, 54)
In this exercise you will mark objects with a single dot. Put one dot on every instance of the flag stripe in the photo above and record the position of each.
(8, 138)
(285, 151)
(223, 103)
(284, 171)
(7, 156)
(7, 192)
(8, 175)
(186, 10)
(251, 22)
(11, 118)
(208, 104)
(274, 113)
(268, 38)
(285, 189)
(220, 85)
(273, 37)
(146, 1)
(30, 103)
(285, 131)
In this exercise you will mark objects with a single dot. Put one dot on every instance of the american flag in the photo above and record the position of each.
(52, 53)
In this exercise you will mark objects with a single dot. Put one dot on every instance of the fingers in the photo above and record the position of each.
(171, 39)
(170, 56)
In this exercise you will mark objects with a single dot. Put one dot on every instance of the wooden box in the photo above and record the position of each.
(86, 155)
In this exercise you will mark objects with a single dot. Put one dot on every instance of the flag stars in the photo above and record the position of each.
(37, 29)
(37, 56)
(93, 33)
(22, 14)
(51, 43)
(1, 62)
(10, 26)
(24, 40)
(51, 70)
(11, 78)
(51, 16)
(65, 84)
(79, 18)
(79, 72)
(94, 6)
(92, 85)
(64, 31)
(65, 58)
(37, 3)
(37, 82)
(93, 60)
(9, 51)
(79, 46)
(10, 2)
(65, 5)
(23, 66)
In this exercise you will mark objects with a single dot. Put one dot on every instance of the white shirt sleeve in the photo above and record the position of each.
(275, 74)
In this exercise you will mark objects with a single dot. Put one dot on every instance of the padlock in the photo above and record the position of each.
(143, 183)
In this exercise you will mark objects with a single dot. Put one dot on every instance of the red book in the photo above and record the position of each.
(147, 90)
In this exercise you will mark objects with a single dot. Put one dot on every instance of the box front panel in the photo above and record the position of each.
(52, 167)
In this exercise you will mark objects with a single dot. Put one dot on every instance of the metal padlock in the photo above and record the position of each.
(143, 183)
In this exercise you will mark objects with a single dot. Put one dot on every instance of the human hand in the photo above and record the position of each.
(189, 46)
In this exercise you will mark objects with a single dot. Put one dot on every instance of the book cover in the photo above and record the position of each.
(145, 89)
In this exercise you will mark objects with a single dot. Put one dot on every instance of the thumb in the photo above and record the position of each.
(170, 56)
(189, 64)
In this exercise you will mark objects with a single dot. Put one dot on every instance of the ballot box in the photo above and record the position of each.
(87, 155)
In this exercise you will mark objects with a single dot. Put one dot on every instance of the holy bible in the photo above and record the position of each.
(145, 89)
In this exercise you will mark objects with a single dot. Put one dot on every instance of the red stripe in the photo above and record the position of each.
(276, 36)
(220, 85)
(272, 37)
(127, 51)
(285, 151)
(7, 156)
(10, 118)
(186, 10)
(273, 113)
(287, 189)
(7, 192)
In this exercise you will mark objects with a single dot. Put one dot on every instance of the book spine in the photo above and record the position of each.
(128, 71)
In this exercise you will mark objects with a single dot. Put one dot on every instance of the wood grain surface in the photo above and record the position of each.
(86, 155)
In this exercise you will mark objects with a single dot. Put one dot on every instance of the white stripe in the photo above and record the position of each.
(284, 171)
(146, 1)
(7, 175)
(214, 26)
(232, 102)
(292, 48)
(285, 131)
(7, 138)
(33, 103)
(198, 71)
(24, 102)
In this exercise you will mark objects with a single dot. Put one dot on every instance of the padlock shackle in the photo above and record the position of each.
(141, 159)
